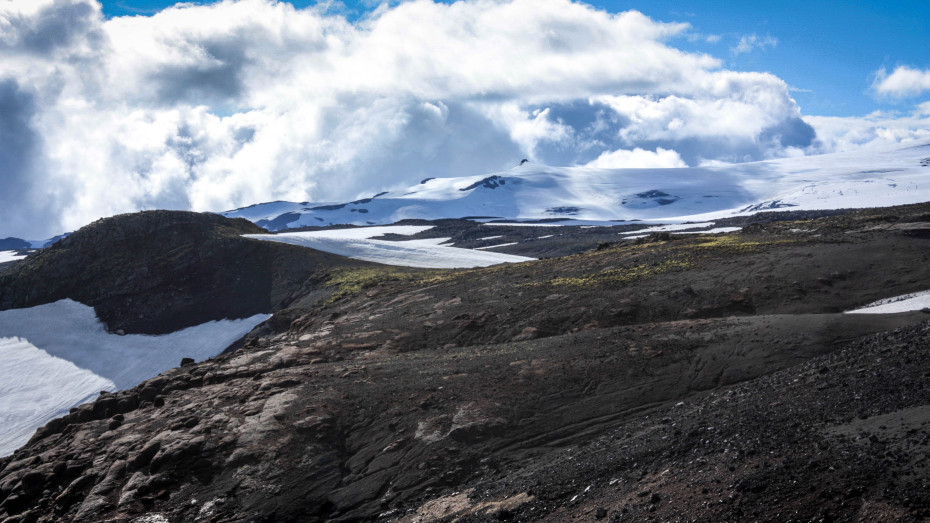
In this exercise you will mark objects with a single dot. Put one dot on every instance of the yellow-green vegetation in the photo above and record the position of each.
(734, 244)
(348, 282)
(351, 281)
(621, 275)
(679, 255)
(793, 224)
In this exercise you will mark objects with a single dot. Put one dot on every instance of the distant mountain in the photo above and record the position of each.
(18, 244)
(539, 192)
(14, 244)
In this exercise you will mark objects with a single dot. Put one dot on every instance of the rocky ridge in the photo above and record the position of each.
(159, 271)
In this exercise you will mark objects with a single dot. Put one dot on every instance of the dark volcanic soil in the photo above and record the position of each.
(708, 378)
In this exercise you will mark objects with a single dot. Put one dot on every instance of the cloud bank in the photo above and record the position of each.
(219, 106)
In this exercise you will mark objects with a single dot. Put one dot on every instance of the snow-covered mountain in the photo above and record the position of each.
(533, 192)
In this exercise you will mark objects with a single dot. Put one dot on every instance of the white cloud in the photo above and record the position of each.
(874, 131)
(903, 81)
(638, 158)
(242, 101)
(747, 43)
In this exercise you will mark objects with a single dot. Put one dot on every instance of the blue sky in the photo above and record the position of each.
(830, 48)
(826, 50)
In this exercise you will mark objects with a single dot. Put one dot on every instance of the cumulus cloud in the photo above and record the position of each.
(903, 81)
(211, 107)
(638, 158)
(874, 131)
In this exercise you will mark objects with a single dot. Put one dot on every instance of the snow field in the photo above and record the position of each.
(36, 387)
(358, 244)
(57, 356)
(672, 228)
(8, 256)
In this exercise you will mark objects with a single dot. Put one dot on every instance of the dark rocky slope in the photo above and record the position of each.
(159, 271)
(706, 378)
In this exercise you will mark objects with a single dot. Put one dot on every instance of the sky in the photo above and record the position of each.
(125, 105)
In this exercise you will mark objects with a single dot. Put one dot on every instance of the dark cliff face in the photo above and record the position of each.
(703, 379)
(160, 271)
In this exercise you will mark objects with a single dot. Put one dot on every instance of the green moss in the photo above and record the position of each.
(351, 281)
(619, 276)
(734, 244)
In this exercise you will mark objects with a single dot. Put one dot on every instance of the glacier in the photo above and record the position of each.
(859, 179)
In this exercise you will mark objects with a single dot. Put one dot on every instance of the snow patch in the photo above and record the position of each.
(70, 330)
(426, 253)
(36, 387)
(60, 355)
(498, 245)
(364, 233)
(8, 256)
(717, 230)
(527, 224)
(904, 303)
(425, 242)
(672, 228)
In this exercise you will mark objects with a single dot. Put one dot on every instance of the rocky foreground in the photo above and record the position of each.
(706, 378)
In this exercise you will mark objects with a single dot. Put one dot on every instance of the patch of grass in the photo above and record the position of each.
(619, 276)
(351, 281)
(733, 244)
